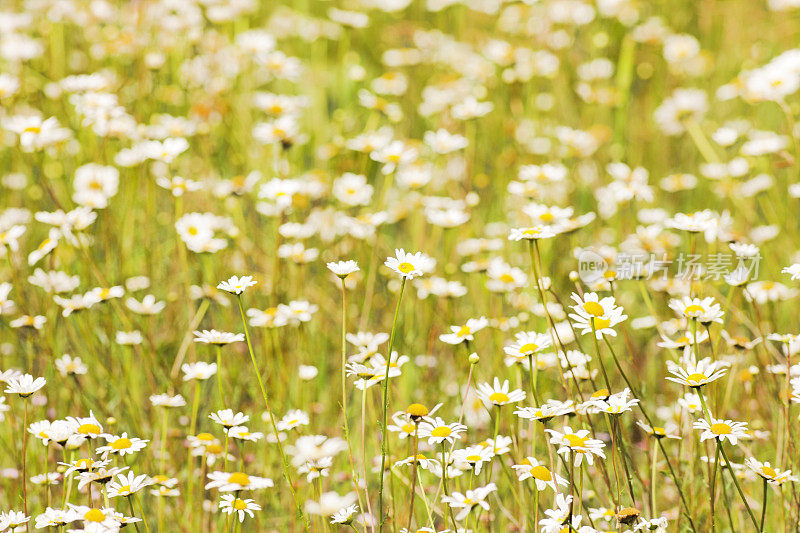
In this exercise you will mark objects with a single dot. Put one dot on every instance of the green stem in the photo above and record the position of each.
(133, 513)
(344, 393)
(141, 510)
(650, 423)
(444, 484)
(24, 461)
(413, 477)
(713, 489)
(190, 458)
(701, 141)
(219, 376)
(386, 404)
(532, 377)
(736, 483)
(653, 478)
(257, 371)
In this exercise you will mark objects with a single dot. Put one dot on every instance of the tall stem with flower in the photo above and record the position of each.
(25, 459)
(385, 403)
(635, 393)
(721, 450)
(257, 371)
(342, 277)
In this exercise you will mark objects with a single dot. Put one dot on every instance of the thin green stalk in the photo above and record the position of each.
(386, 404)
(728, 464)
(219, 376)
(364, 448)
(141, 510)
(25, 461)
(444, 484)
(713, 490)
(736, 483)
(133, 513)
(650, 423)
(653, 477)
(344, 392)
(532, 373)
(701, 141)
(257, 371)
(190, 458)
(413, 476)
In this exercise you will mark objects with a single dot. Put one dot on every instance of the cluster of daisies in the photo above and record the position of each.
(523, 265)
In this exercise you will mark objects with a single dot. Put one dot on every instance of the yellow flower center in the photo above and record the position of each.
(94, 515)
(125, 489)
(541, 473)
(547, 216)
(89, 428)
(408, 428)
(473, 458)
(240, 478)
(507, 278)
(600, 323)
(441, 431)
(121, 444)
(417, 409)
(464, 331)
(405, 267)
(239, 505)
(768, 471)
(594, 308)
(721, 428)
(696, 378)
(206, 437)
(499, 397)
(575, 441)
(693, 310)
(528, 347)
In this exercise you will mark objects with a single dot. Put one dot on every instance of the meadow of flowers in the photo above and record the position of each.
(399, 266)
